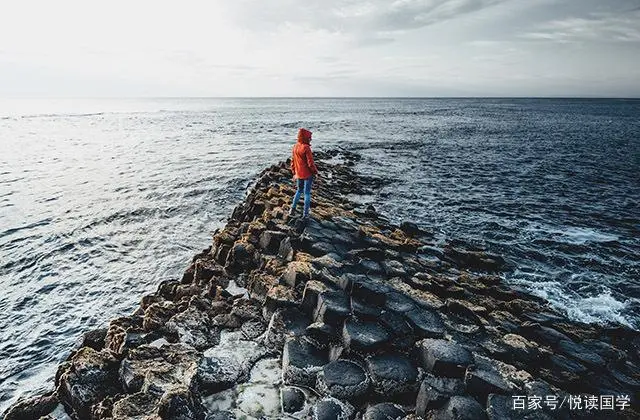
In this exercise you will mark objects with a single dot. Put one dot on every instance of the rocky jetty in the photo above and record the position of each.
(343, 316)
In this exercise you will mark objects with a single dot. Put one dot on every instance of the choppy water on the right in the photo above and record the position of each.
(553, 185)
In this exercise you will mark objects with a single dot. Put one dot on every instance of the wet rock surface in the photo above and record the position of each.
(384, 411)
(435, 392)
(392, 375)
(337, 317)
(445, 358)
(293, 399)
(343, 379)
(301, 361)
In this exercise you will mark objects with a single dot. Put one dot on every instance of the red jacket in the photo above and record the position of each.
(302, 164)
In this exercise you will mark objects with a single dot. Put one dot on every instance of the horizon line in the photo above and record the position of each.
(322, 97)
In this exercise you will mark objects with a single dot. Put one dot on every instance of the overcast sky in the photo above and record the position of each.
(320, 48)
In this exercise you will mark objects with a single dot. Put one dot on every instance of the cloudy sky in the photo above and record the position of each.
(320, 48)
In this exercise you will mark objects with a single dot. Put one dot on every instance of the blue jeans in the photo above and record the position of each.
(303, 185)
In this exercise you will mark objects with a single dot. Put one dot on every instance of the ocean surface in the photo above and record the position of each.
(101, 200)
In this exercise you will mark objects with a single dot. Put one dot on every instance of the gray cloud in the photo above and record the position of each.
(595, 27)
(413, 14)
(374, 21)
(372, 41)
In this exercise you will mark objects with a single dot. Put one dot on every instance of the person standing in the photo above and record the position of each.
(304, 170)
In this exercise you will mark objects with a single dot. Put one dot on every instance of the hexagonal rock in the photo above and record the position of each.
(444, 357)
(297, 272)
(346, 279)
(32, 408)
(392, 375)
(327, 224)
(399, 302)
(364, 311)
(123, 335)
(460, 408)
(345, 223)
(333, 307)
(95, 338)
(343, 379)
(495, 348)
(544, 317)
(384, 411)
(422, 298)
(292, 399)
(157, 315)
(394, 268)
(193, 327)
(375, 254)
(324, 275)
(228, 363)
(333, 266)
(166, 290)
(476, 260)
(205, 270)
(370, 292)
(369, 266)
(310, 296)
(159, 367)
(364, 336)
(545, 335)
(466, 310)
(221, 415)
(581, 353)
(344, 239)
(240, 257)
(175, 403)
(319, 248)
(627, 374)
(221, 253)
(89, 377)
(435, 392)
(484, 380)
(284, 323)
(219, 373)
(138, 405)
(301, 361)
(564, 364)
(426, 323)
(332, 409)
(607, 351)
(400, 329)
(270, 240)
(521, 349)
(506, 321)
(315, 230)
(322, 334)
(279, 296)
(180, 403)
(286, 250)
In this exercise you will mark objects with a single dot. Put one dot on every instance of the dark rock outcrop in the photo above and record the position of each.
(343, 379)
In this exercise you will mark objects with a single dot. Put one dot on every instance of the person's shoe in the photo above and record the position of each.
(292, 212)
